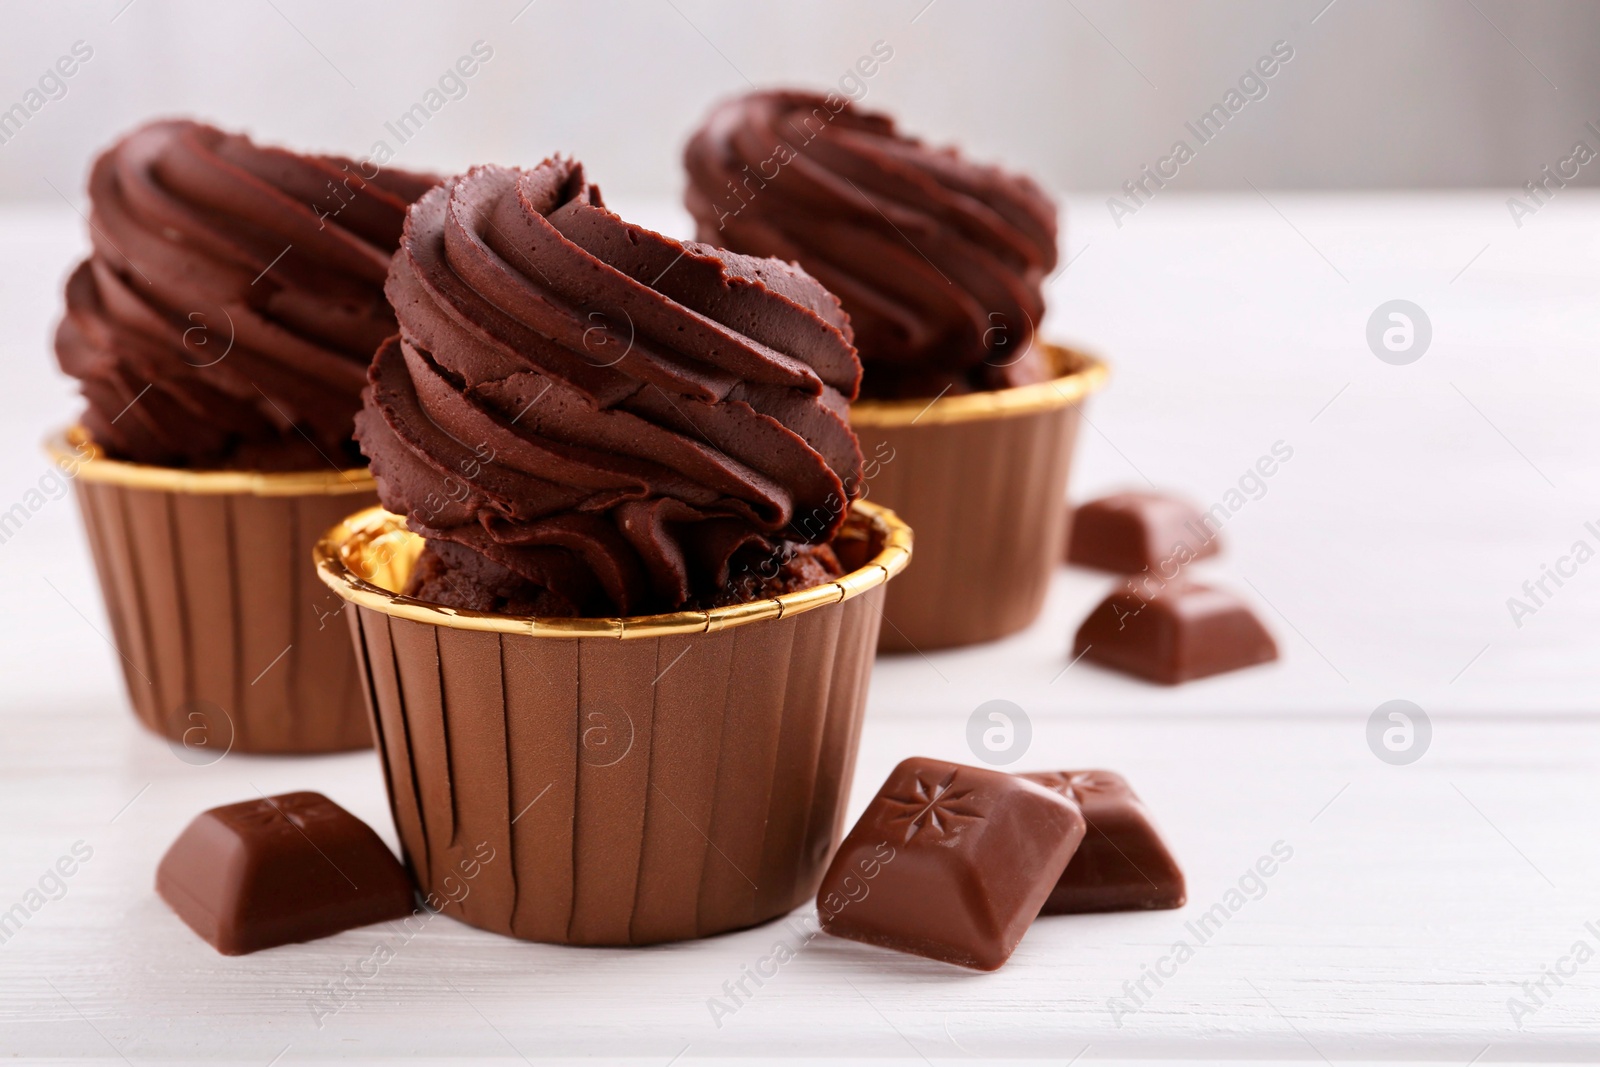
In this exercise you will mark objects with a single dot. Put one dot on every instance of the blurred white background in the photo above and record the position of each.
(1082, 93)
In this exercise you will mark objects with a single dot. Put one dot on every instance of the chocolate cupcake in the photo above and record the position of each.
(968, 419)
(604, 452)
(220, 330)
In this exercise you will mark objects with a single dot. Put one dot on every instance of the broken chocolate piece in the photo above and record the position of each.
(279, 870)
(949, 862)
(1132, 532)
(1182, 632)
(1122, 864)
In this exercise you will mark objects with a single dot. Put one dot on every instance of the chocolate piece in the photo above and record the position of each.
(949, 862)
(1132, 532)
(585, 418)
(1179, 633)
(279, 870)
(940, 261)
(1122, 865)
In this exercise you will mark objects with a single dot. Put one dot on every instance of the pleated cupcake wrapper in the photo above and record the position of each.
(227, 640)
(614, 782)
(982, 478)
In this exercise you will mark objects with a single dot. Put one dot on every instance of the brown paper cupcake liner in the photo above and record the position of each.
(228, 641)
(982, 478)
(632, 780)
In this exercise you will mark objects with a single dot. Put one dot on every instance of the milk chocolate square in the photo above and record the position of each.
(1178, 633)
(1129, 532)
(278, 870)
(1122, 864)
(949, 862)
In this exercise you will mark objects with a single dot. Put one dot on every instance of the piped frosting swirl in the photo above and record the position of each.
(232, 300)
(939, 261)
(584, 417)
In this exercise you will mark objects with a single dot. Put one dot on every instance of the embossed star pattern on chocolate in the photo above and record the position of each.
(976, 852)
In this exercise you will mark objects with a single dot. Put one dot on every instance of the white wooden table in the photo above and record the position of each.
(1418, 898)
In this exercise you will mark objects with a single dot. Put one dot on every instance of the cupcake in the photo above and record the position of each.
(618, 618)
(220, 330)
(967, 420)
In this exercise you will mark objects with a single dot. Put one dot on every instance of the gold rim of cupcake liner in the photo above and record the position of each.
(375, 542)
(1079, 374)
(66, 450)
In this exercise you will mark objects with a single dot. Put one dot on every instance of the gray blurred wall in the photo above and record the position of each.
(1083, 93)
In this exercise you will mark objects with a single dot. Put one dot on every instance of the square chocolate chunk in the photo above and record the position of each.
(278, 870)
(1122, 865)
(949, 862)
(1182, 632)
(1129, 532)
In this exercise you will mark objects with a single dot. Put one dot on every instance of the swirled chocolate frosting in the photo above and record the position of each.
(938, 260)
(232, 300)
(583, 417)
